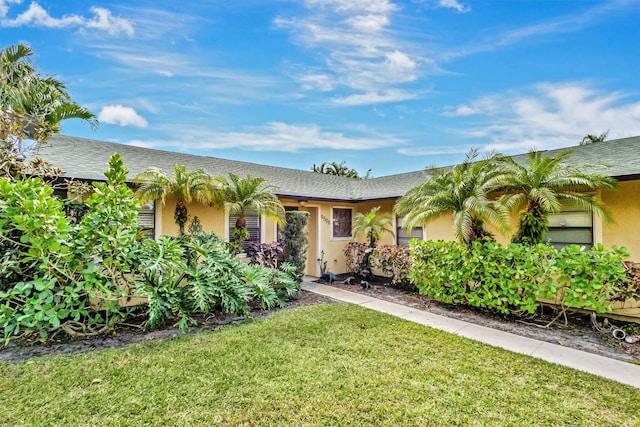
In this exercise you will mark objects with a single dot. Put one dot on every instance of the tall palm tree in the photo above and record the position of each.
(249, 194)
(184, 186)
(40, 103)
(371, 225)
(462, 191)
(539, 188)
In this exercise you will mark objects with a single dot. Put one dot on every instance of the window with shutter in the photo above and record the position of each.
(402, 237)
(570, 226)
(147, 219)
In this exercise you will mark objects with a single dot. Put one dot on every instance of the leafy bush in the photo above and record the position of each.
(356, 258)
(272, 287)
(589, 279)
(395, 262)
(192, 275)
(36, 259)
(295, 241)
(51, 268)
(106, 240)
(189, 275)
(268, 255)
(514, 278)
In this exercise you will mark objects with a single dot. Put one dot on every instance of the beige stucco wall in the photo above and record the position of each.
(624, 205)
(441, 229)
(212, 219)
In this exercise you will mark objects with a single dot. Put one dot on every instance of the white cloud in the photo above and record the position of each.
(551, 116)
(454, 4)
(392, 95)
(121, 116)
(320, 82)
(105, 21)
(4, 6)
(484, 105)
(359, 49)
(278, 137)
(37, 16)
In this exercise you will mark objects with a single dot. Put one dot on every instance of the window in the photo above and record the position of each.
(147, 219)
(342, 222)
(253, 227)
(402, 237)
(570, 226)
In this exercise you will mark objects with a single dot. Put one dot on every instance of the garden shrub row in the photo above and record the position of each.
(516, 278)
(53, 269)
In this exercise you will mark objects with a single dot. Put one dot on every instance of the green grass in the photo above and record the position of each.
(332, 365)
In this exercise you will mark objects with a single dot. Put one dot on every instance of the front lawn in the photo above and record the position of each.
(334, 364)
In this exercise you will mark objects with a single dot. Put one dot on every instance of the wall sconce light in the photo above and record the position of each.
(563, 223)
(302, 203)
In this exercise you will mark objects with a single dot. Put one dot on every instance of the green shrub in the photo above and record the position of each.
(106, 240)
(192, 275)
(188, 275)
(34, 232)
(589, 279)
(514, 278)
(51, 267)
(38, 287)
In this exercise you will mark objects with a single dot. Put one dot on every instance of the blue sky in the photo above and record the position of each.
(394, 86)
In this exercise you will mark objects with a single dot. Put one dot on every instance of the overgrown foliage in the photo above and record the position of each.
(52, 268)
(180, 285)
(355, 253)
(295, 241)
(515, 278)
(395, 262)
(59, 276)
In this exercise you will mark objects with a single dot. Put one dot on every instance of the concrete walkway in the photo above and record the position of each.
(626, 373)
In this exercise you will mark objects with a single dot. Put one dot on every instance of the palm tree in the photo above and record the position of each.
(39, 103)
(462, 191)
(249, 194)
(371, 225)
(539, 187)
(184, 186)
(591, 138)
(338, 169)
(31, 107)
